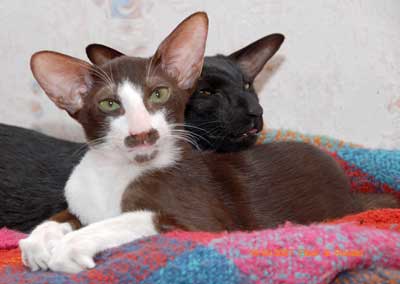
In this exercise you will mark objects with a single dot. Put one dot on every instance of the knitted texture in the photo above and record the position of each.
(369, 170)
(361, 248)
(8, 238)
(289, 254)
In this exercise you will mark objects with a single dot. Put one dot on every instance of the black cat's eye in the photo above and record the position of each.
(205, 92)
(247, 86)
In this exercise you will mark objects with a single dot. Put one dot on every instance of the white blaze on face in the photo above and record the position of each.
(137, 116)
(137, 119)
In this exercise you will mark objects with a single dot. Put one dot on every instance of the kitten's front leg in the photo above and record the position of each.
(76, 250)
(36, 248)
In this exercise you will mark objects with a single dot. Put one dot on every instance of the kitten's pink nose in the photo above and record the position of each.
(142, 139)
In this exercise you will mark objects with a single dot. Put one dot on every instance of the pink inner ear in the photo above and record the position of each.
(65, 90)
(63, 78)
(185, 63)
(182, 51)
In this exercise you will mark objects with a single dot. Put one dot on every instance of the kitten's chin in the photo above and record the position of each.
(142, 155)
(145, 158)
(161, 154)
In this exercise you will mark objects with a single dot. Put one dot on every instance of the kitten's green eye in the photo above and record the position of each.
(205, 92)
(109, 105)
(160, 95)
(247, 86)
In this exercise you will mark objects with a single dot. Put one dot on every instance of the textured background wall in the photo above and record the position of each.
(338, 73)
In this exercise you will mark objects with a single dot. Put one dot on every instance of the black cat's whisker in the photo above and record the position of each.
(210, 122)
(215, 130)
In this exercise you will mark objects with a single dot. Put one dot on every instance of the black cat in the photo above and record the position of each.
(223, 114)
(225, 105)
(33, 171)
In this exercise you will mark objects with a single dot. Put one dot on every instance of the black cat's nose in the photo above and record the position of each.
(142, 139)
(255, 110)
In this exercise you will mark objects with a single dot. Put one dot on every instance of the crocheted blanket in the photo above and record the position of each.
(362, 248)
(369, 170)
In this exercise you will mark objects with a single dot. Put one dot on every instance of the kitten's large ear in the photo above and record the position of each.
(253, 57)
(99, 54)
(64, 79)
(181, 54)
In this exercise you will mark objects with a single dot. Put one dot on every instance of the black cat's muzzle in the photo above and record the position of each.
(252, 130)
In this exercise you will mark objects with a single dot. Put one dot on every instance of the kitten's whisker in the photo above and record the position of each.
(98, 72)
(186, 139)
(111, 73)
(149, 67)
(188, 125)
(191, 135)
(88, 144)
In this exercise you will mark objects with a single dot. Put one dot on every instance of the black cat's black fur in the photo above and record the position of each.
(223, 111)
(33, 171)
(227, 113)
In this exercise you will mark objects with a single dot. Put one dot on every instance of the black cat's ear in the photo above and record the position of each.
(253, 57)
(99, 54)
(63, 78)
(181, 54)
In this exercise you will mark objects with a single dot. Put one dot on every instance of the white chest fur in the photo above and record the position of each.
(94, 190)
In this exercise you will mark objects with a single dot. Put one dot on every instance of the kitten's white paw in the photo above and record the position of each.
(36, 249)
(73, 254)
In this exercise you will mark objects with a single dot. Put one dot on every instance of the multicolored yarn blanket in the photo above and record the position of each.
(362, 248)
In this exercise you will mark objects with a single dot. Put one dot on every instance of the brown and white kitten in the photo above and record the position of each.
(140, 178)
(223, 114)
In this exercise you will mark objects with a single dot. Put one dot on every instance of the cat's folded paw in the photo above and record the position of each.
(36, 249)
(34, 254)
(72, 254)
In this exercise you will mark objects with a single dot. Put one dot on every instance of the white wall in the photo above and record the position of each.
(338, 72)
